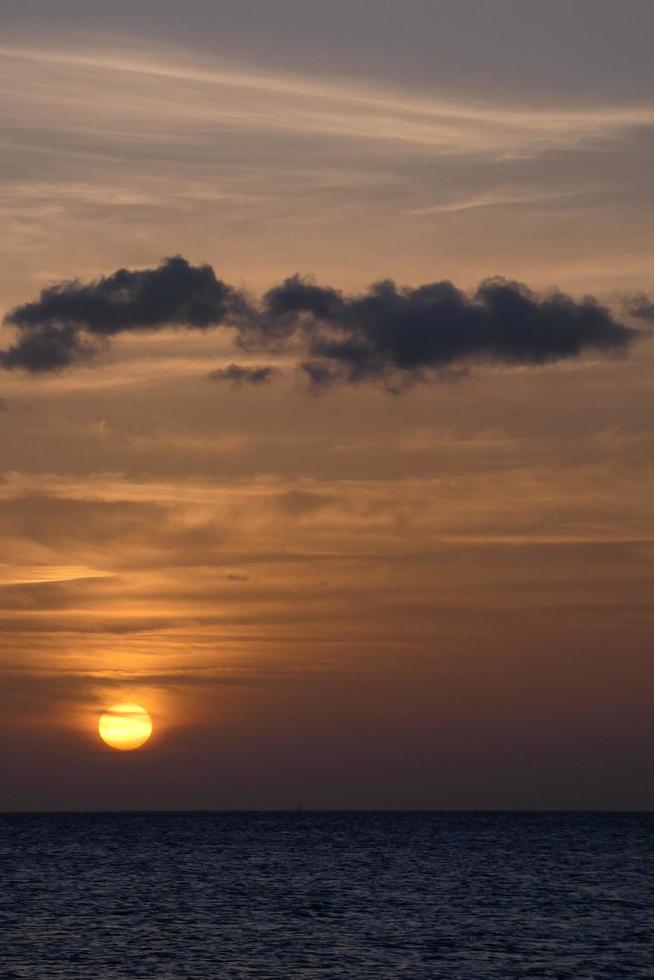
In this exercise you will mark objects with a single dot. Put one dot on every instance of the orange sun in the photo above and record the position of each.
(125, 726)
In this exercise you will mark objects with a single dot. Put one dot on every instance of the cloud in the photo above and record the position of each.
(70, 320)
(276, 102)
(237, 374)
(640, 306)
(48, 347)
(405, 334)
(388, 334)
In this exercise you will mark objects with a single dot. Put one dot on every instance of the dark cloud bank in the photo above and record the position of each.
(388, 334)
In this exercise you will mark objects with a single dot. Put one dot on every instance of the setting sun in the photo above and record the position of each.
(125, 726)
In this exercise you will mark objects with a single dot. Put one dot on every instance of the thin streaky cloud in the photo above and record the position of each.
(494, 199)
(303, 86)
(301, 106)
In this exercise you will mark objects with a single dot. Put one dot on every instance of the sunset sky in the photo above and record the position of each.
(348, 476)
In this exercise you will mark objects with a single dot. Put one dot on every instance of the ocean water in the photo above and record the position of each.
(310, 895)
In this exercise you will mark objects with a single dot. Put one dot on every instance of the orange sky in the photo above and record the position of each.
(438, 598)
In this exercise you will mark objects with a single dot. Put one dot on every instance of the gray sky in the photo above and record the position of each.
(587, 50)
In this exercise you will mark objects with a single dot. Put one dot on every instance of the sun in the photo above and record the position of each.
(125, 726)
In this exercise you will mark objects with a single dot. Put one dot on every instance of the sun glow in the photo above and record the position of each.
(125, 726)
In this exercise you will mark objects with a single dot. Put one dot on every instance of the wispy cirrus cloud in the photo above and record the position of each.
(492, 199)
(162, 146)
(301, 104)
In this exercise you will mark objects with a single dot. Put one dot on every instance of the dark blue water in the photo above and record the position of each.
(326, 895)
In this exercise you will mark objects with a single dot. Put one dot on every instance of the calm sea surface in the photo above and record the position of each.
(326, 895)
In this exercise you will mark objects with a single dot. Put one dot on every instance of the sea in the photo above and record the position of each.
(326, 895)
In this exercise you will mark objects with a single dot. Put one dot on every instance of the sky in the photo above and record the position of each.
(325, 403)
